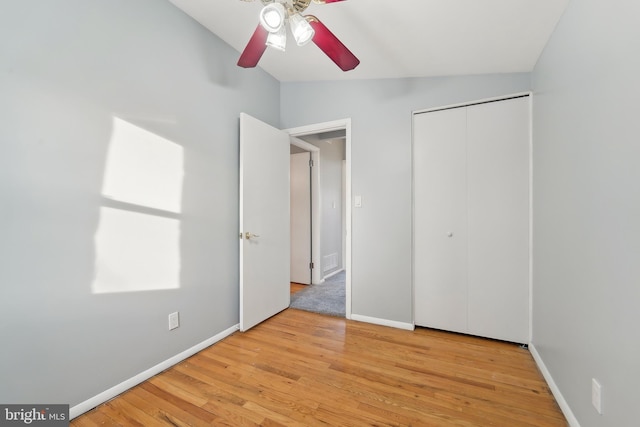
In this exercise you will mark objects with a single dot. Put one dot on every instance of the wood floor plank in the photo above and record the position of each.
(131, 415)
(397, 399)
(100, 418)
(172, 410)
(296, 287)
(235, 415)
(246, 389)
(164, 382)
(305, 369)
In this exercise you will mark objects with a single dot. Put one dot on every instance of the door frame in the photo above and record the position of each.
(342, 124)
(316, 212)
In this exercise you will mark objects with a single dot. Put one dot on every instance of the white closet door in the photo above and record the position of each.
(440, 229)
(498, 210)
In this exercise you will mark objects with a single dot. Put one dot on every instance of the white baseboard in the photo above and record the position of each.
(383, 322)
(564, 406)
(109, 394)
(332, 274)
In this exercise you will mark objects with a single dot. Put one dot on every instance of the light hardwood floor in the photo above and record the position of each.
(306, 369)
(296, 287)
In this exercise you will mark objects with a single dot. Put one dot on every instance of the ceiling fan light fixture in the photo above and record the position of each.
(301, 29)
(272, 17)
(278, 40)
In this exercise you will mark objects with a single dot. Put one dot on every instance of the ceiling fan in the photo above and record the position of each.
(272, 32)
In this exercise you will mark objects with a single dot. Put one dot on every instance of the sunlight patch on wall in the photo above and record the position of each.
(143, 168)
(137, 242)
(136, 252)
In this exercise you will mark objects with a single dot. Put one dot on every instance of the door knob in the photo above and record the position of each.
(249, 235)
(450, 234)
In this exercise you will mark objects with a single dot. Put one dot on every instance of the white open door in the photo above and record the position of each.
(301, 218)
(264, 221)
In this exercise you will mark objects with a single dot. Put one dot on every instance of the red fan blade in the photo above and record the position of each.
(333, 47)
(255, 48)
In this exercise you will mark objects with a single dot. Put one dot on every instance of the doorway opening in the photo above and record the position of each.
(304, 175)
(328, 147)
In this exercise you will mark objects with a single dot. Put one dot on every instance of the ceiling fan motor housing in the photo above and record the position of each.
(298, 6)
(301, 5)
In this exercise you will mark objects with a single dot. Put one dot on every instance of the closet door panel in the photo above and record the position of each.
(498, 217)
(440, 242)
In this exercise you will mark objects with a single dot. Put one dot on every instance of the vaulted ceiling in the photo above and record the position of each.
(398, 38)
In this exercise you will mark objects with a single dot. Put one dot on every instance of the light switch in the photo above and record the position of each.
(358, 201)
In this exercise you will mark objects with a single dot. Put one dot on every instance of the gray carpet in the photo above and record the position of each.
(327, 298)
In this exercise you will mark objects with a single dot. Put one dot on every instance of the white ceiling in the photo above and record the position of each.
(398, 38)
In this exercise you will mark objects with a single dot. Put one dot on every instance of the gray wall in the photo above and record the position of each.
(381, 169)
(67, 68)
(587, 209)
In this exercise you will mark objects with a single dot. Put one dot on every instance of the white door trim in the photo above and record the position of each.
(327, 127)
(468, 103)
(303, 144)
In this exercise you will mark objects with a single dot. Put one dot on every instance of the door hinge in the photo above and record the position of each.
(310, 266)
(310, 163)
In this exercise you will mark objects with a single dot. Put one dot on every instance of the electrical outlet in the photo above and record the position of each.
(174, 320)
(596, 395)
